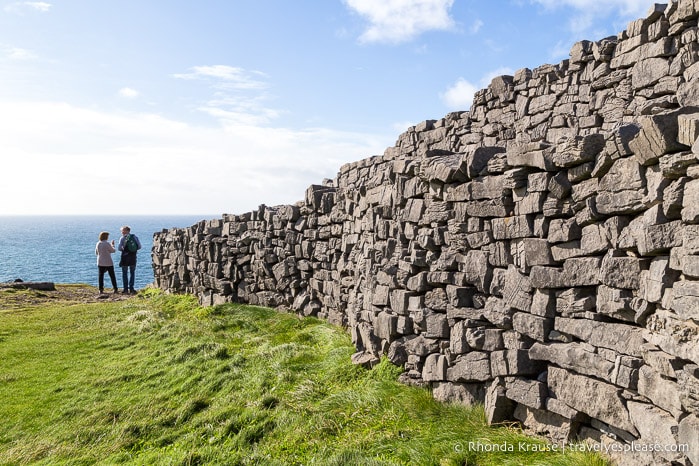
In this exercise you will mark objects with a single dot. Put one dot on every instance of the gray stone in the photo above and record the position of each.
(655, 427)
(687, 435)
(620, 272)
(527, 392)
(662, 392)
(577, 357)
(690, 211)
(498, 407)
(563, 230)
(594, 398)
(685, 300)
(688, 381)
(458, 393)
(517, 290)
(471, 367)
(575, 301)
(622, 338)
(658, 136)
(520, 226)
(533, 326)
(435, 368)
(615, 302)
(673, 335)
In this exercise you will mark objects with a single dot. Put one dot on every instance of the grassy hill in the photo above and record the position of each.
(155, 379)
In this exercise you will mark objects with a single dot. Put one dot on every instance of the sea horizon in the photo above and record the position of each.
(60, 248)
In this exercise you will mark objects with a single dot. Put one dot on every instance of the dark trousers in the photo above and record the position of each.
(112, 276)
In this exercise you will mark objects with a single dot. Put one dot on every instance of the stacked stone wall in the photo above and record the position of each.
(539, 253)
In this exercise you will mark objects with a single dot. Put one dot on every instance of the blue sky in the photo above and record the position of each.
(217, 106)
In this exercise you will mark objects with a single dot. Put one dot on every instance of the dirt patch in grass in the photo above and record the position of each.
(13, 296)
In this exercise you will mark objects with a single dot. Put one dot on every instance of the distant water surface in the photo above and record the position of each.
(61, 249)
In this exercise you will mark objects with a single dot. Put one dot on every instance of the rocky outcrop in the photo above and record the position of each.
(539, 253)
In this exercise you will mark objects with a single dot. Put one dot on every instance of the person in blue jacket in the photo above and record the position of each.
(129, 244)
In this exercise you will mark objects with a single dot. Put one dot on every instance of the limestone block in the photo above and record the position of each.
(460, 393)
(575, 151)
(546, 423)
(435, 368)
(688, 381)
(562, 251)
(655, 427)
(532, 251)
(547, 277)
(658, 136)
(459, 296)
(690, 241)
(535, 327)
(585, 189)
(520, 226)
(597, 399)
(485, 339)
(687, 435)
(543, 303)
(498, 407)
(474, 265)
(399, 301)
(673, 198)
(436, 299)
(471, 367)
(421, 346)
(517, 290)
(620, 272)
(386, 326)
(380, 295)
(436, 326)
(622, 338)
(490, 207)
(578, 357)
(649, 71)
(657, 280)
(563, 230)
(690, 211)
(457, 338)
(477, 160)
(594, 239)
(527, 392)
(662, 392)
(582, 271)
(575, 301)
(685, 300)
(513, 362)
(559, 186)
(673, 335)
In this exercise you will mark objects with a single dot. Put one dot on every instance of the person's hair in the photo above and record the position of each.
(126, 227)
(104, 235)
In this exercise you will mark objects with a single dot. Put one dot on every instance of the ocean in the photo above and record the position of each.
(61, 249)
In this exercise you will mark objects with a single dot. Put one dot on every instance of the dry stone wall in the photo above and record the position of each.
(539, 253)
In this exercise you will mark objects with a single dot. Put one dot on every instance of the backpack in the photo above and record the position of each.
(131, 244)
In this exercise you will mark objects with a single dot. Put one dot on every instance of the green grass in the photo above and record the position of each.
(158, 380)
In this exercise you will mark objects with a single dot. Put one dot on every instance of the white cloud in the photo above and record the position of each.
(22, 7)
(396, 21)
(129, 93)
(459, 96)
(238, 95)
(16, 53)
(476, 26)
(227, 76)
(59, 158)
